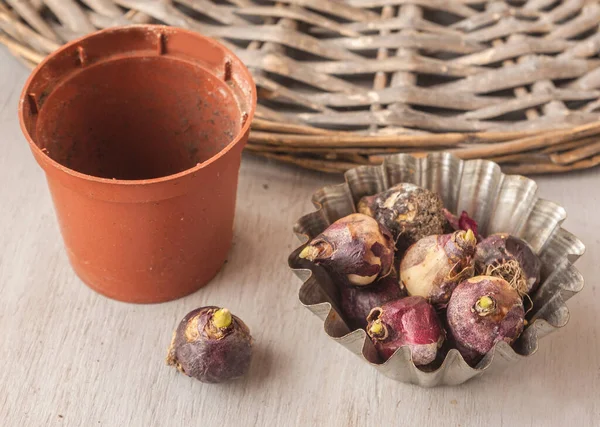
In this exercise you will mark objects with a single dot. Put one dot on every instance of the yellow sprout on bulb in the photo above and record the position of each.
(470, 237)
(486, 302)
(309, 253)
(222, 318)
(485, 305)
(376, 328)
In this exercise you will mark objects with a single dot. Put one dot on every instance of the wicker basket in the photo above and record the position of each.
(344, 82)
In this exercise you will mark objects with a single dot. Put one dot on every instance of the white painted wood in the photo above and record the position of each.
(71, 357)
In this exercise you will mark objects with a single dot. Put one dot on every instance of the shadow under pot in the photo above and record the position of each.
(140, 131)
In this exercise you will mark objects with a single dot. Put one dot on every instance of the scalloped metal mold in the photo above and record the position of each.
(499, 202)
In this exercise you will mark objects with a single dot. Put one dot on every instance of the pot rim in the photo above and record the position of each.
(244, 129)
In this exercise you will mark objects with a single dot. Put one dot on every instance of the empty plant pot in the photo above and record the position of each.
(140, 132)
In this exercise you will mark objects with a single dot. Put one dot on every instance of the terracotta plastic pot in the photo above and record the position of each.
(140, 132)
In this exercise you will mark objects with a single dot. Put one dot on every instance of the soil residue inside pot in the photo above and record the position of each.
(137, 118)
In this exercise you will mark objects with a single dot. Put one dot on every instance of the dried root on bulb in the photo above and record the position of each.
(408, 211)
(510, 258)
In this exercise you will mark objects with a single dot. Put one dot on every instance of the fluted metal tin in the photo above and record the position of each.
(500, 203)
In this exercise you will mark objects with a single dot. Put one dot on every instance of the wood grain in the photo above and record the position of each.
(71, 357)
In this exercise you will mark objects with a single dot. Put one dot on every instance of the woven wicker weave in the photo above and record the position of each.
(342, 82)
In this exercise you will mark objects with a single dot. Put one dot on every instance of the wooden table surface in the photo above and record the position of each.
(72, 357)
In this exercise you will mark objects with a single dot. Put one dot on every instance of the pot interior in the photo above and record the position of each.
(137, 118)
